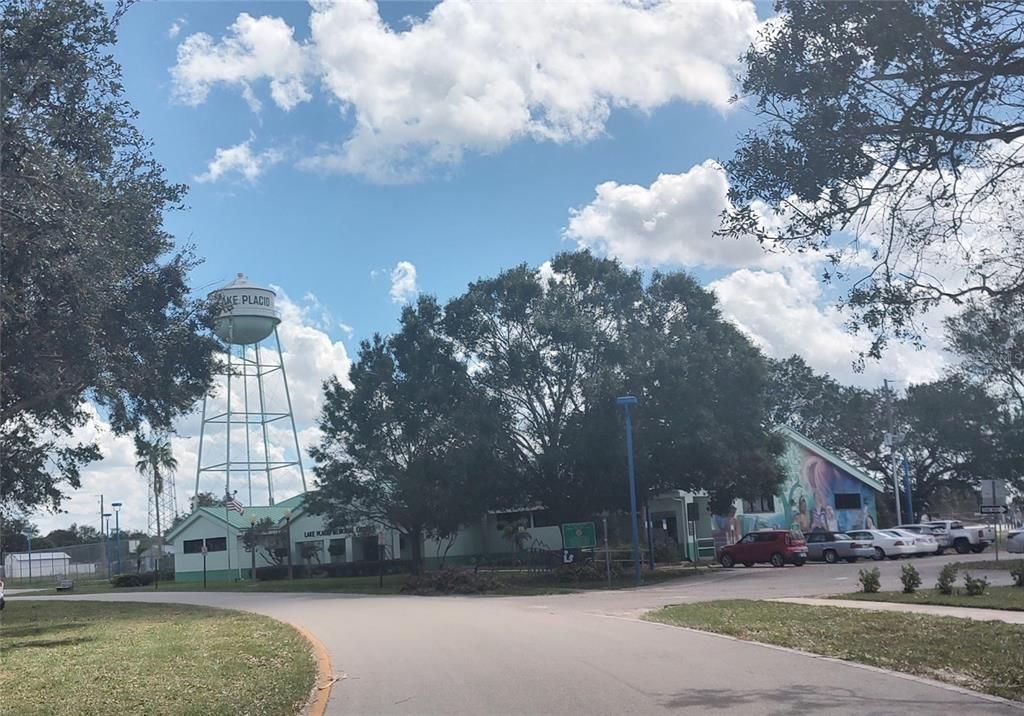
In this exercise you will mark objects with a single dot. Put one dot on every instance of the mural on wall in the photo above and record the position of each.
(815, 495)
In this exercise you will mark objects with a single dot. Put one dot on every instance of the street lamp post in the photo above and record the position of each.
(626, 401)
(252, 545)
(28, 536)
(106, 540)
(117, 529)
(288, 540)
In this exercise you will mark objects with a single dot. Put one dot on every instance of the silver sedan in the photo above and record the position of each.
(834, 546)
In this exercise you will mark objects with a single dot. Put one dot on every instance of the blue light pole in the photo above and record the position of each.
(28, 536)
(106, 540)
(117, 528)
(626, 401)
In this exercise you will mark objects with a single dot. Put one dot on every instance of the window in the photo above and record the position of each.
(767, 537)
(848, 501)
(213, 544)
(760, 505)
(817, 537)
(216, 544)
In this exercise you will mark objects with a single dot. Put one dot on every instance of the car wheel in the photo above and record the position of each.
(940, 551)
(778, 560)
(978, 548)
(727, 561)
(830, 556)
(851, 560)
(879, 553)
(748, 564)
(961, 545)
(800, 561)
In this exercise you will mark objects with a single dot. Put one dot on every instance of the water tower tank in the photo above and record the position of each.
(248, 314)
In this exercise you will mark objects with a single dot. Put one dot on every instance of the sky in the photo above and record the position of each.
(354, 155)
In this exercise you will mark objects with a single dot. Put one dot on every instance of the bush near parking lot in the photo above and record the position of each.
(947, 578)
(1018, 574)
(911, 579)
(452, 580)
(870, 580)
(975, 586)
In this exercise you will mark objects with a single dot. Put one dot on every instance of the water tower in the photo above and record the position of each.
(235, 432)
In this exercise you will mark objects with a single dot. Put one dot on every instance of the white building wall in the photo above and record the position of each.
(205, 527)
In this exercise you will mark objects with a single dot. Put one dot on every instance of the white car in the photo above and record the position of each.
(1015, 541)
(943, 539)
(923, 544)
(885, 544)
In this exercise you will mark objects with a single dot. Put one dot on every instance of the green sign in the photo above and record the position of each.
(579, 534)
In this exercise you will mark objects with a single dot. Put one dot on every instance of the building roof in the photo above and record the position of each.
(37, 556)
(839, 462)
(240, 521)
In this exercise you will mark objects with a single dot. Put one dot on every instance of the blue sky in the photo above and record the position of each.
(333, 148)
(322, 233)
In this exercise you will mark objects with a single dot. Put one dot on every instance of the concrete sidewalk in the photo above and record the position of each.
(1000, 615)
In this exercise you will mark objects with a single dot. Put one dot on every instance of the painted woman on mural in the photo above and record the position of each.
(817, 474)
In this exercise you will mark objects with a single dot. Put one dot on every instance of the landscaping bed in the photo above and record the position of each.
(1000, 597)
(980, 655)
(79, 658)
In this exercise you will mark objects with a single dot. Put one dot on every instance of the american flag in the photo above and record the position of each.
(232, 503)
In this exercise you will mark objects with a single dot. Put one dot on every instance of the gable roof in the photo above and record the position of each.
(240, 521)
(822, 452)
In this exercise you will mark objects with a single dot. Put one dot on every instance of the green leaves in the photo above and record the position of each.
(95, 301)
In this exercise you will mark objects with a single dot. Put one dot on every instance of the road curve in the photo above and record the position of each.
(570, 654)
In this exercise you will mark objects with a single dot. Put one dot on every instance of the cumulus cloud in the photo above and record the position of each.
(310, 356)
(239, 159)
(176, 27)
(403, 282)
(476, 76)
(254, 49)
(776, 298)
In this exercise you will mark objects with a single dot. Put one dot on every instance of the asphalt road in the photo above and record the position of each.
(587, 653)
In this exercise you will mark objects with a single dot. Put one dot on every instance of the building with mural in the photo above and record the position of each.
(820, 491)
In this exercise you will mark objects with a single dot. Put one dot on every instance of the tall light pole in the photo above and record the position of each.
(117, 528)
(28, 536)
(106, 539)
(626, 401)
(893, 442)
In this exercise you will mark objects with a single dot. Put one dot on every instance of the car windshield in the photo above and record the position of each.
(840, 537)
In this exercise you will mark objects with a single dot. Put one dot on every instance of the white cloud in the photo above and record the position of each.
(240, 159)
(477, 76)
(782, 312)
(176, 27)
(310, 356)
(403, 282)
(255, 49)
(776, 298)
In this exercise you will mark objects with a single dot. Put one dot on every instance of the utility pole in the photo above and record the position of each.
(892, 450)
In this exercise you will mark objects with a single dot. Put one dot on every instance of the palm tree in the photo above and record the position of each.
(155, 460)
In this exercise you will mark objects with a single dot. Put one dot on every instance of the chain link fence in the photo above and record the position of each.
(79, 562)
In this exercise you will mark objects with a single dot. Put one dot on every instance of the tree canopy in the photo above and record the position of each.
(94, 297)
(412, 444)
(891, 139)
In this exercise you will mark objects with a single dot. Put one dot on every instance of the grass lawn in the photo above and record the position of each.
(996, 598)
(984, 656)
(81, 658)
(515, 583)
(991, 564)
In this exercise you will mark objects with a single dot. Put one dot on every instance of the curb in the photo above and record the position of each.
(325, 678)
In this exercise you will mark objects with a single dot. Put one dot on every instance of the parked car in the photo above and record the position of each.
(966, 538)
(884, 544)
(834, 546)
(776, 547)
(943, 539)
(1015, 541)
(922, 544)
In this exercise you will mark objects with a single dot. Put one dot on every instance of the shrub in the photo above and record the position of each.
(666, 553)
(451, 580)
(1018, 574)
(142, 579)
(947, 578)
(870, 580)
(975, 586)
(911, 579)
